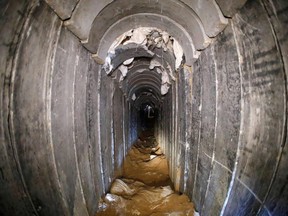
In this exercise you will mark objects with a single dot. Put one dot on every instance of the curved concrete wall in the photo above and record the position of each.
(65, 126)
(52, 117)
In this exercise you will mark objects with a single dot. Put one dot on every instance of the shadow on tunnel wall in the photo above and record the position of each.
(65, 127)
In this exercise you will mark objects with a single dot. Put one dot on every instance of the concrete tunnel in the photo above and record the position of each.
(75, 75)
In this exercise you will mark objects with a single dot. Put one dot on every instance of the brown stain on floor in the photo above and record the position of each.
(145, 188)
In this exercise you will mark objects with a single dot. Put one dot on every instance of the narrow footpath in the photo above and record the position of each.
(145, 188)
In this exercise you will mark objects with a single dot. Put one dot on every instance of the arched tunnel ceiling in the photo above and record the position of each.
(97, 23)
(148, 20)
(185, 17)
(150, 55)
(140, 77)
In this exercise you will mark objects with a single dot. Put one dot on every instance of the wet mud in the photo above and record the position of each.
(145, 188)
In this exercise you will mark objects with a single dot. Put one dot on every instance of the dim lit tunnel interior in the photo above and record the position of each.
(80, 80)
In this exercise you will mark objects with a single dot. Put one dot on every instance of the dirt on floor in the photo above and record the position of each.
(145, 187)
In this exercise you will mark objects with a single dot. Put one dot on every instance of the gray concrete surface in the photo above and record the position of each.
(65, 125)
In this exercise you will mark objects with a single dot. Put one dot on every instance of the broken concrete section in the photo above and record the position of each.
(144, 42)
(123, 53)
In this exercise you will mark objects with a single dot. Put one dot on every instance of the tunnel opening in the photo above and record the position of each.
(148, 115)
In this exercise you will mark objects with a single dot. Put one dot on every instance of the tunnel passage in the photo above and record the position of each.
(66, 122)
(145, 62)
(148, 116)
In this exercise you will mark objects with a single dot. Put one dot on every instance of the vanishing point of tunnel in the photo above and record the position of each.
(81, 81)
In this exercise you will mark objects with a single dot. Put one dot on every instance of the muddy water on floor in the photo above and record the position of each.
(145, 187)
